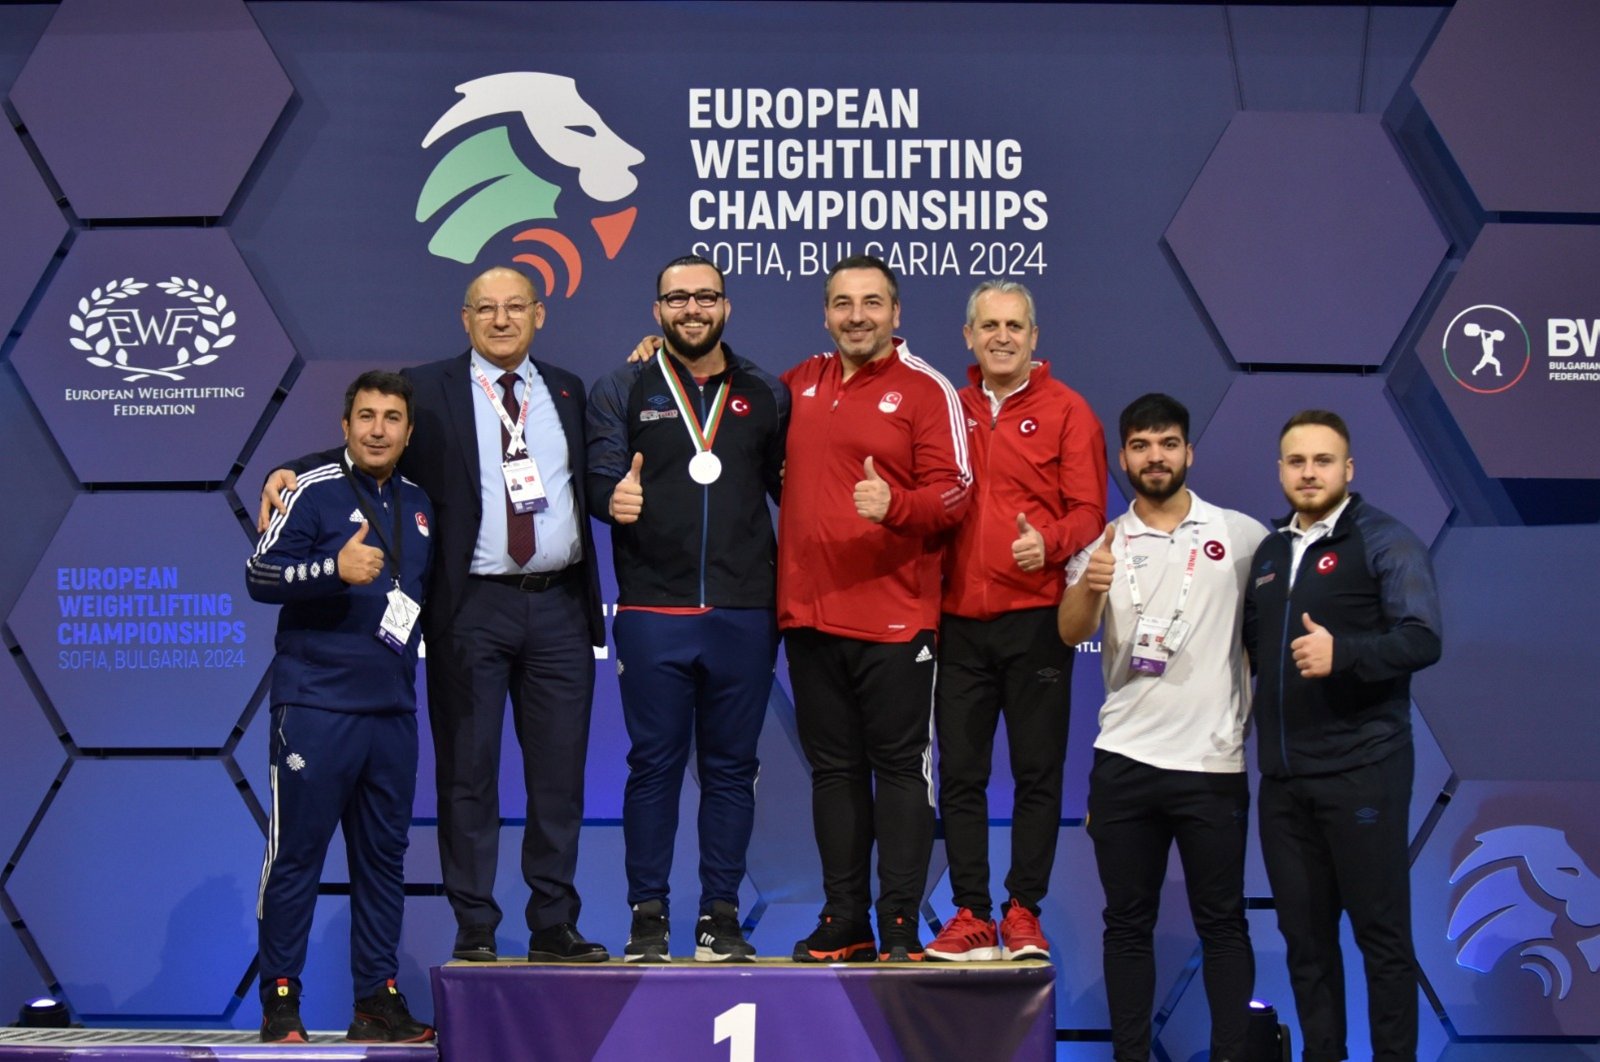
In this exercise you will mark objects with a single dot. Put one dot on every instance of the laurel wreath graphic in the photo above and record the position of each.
(216, 322)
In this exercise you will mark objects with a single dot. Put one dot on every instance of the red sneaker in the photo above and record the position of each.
(965, 938)
(1021, 935)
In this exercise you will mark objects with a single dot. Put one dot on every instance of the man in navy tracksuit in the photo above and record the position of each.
(684, 449)
(347, 559)
(1341, 608)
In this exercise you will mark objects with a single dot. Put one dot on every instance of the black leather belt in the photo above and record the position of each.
(533, 582)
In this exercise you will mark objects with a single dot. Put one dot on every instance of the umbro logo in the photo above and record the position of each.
(924, 656)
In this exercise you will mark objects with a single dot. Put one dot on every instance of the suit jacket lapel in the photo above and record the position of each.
(458, 400)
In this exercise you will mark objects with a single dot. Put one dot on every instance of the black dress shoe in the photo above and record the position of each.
(475, 944)
(563, 943)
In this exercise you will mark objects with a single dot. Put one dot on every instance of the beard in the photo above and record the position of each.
(1317, 509)
(1175, 481)
(693, 351)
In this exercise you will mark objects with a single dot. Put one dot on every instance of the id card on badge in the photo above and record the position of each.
(523, 485)
(1149, 647)
(399, 617)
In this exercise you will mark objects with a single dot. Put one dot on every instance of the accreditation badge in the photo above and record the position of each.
(523, 485)
(399, 617)
(1149, 647)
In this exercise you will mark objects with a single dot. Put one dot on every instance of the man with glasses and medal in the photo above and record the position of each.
(684, 450)
(513, 608)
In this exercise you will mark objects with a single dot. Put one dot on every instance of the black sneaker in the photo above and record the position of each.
(280, 1014)
(899, 939)
(384, 1019)
(836, 940)
(647, 937)
(718, 937)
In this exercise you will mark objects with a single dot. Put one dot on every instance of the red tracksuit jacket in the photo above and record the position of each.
(1043, 456)
(841, 573)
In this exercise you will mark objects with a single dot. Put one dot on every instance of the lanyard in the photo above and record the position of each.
(393, 549)
(702, 438)
(516, 444)
(1188, 577)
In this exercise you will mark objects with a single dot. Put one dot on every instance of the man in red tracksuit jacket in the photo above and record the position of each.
(876, 469)
(1039, 459)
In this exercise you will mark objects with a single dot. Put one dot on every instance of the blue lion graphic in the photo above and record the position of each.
(1496, 913)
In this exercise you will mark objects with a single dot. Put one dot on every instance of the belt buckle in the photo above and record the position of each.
(535, 582)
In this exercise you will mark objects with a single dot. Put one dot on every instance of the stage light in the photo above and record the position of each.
(1266, 1039)
(43, 1013)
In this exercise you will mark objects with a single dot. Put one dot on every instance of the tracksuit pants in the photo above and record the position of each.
(701, 679)
(864, 711)
(1136, 812)
(1334, 843)
(1016, 665)
(329, 769)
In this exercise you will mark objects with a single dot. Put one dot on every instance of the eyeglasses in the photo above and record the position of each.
(677, 300)
(488, 311)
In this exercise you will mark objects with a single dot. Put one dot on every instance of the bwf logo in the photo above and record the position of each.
(1486, 349)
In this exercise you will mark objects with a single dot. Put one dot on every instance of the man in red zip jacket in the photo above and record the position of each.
(1039, 464)
(877, 470)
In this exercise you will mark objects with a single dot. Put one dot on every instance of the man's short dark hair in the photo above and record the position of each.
(1323, 417)
(383, 382)
(1152, 412)
(691, 260)
(862, 261)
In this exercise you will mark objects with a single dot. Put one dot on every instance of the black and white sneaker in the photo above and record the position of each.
(718, 937)
(647, 938)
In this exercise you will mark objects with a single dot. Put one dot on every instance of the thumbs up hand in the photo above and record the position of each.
(1028, 549)
(1102, 563)
(359, 563)
(1313, 650)
(627, 497)
(872, 494)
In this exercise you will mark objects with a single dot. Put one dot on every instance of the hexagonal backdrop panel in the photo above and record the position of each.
(33, 226)
(1513, 88)
(1506, 898)
(155, 109)
(1514, 347)
(1513, 697)
(139, 887)
(152, 355)
(1236, 456)
(1306, 239)
(138, 625)
(30, 757)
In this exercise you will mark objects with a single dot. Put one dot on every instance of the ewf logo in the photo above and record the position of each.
(481, 187)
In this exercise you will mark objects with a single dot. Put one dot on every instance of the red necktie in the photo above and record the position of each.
(519, 526)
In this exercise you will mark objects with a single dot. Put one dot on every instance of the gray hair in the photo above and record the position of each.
(1000, 287)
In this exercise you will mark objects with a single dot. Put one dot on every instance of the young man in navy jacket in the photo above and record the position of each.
(1340, 610)
(347, 559)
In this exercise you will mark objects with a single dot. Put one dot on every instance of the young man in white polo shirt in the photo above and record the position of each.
(1168, 577)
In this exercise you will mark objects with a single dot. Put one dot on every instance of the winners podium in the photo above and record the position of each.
(771, 1010)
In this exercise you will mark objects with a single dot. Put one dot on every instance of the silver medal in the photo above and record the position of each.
(705, 468)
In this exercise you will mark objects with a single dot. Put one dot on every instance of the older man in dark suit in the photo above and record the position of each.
(513, 607)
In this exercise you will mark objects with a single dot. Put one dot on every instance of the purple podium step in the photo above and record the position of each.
(770, 1010)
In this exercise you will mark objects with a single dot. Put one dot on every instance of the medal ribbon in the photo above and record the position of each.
(701, 437)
